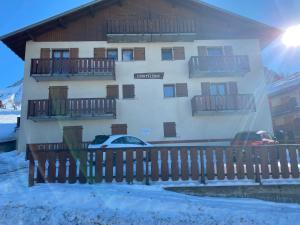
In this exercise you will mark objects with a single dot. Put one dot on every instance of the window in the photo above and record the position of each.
(127, 55)
(167, 54)
(61, 54)
(118, 129)
(112, 91)
(128, 91)
(169, 90)
(175, 90)
(176, 53)
(169, 129)
(218, 89)
(112, 54)
(121, 140)
(214, 51)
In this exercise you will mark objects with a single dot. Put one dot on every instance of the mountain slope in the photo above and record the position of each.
(12, 95)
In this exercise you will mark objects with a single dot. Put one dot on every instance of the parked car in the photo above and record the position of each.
(120, 142)
(117, 141)
(253, 138)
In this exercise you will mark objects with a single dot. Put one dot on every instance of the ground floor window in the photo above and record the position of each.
(169, 129)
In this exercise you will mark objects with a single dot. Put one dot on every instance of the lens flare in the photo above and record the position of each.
(291, 37)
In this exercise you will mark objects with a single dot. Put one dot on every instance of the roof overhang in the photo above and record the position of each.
(16, 40)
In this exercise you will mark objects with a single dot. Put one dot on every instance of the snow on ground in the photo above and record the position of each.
(122, 204)
(8, 121)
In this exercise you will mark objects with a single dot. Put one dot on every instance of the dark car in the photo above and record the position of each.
(253, 138)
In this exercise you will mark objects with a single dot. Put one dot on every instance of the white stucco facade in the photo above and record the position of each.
(146, 113)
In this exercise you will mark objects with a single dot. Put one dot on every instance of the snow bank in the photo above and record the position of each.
(8, 122)
(122, 204)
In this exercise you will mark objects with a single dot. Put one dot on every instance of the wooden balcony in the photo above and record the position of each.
(151, 30)
(207, 105)
(218, 66)
(72, 69)
(289, 107)
(72, 109)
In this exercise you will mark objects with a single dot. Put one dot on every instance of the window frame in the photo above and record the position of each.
(172, 54)
(174, 90)
(127, 49)
(112, 50)
(217, 89)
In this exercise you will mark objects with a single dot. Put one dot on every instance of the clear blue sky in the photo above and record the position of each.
(280, 13)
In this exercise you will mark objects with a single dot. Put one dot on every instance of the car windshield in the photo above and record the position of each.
(249, 136)
(100, 139)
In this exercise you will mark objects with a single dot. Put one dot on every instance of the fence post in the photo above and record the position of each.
(256, 161)
(147, 166)
(202, 180)
(29, 157)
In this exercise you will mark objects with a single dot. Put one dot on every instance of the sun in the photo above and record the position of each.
(291, 38)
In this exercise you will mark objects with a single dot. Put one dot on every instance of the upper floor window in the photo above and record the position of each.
(175, 90)
(218, 89)
(215, 51)
(127, 54)
(169, 90)
(112, 54)
(175, 53)
(61, 54)
(167, 54)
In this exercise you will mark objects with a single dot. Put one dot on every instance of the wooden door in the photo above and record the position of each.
(61, 61)
(72, 137)
(58, 96)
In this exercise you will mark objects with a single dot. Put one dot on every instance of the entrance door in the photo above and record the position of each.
(72, 137)
(61, 63)
(58, 96)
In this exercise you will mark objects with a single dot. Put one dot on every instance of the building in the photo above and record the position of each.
(284, 96)
(167, 71)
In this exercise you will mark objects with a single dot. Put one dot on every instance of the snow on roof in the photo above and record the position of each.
(283, 85)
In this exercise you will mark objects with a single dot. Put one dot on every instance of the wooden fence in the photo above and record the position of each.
(57, 164)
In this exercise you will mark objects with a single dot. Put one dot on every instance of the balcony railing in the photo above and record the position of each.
(200, 66)
(73, 69)
(151, 30)
(151, 26)
(68, 109)
(229, 103)
(288, 107)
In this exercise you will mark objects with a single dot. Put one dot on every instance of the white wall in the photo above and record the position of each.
(149, 109)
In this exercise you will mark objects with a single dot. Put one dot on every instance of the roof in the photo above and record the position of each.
(16, 40)
(284, 85)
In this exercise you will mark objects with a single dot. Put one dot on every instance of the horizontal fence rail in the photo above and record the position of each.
(150, 26)
(74, 66)
(57, 163)
(71, 107)
(237, 63)
(242, 102)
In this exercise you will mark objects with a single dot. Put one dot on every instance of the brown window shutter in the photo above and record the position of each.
(181, 90)
(128, 91)
(202, 51)
(228, 50)
(45, 53)
(112, 91)
(205, 88)
(232, 88)
(117, 129)
(99, 53)
(74, 53)
(170, 129)
(139, 54)
(178, 53)
(58, 92)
